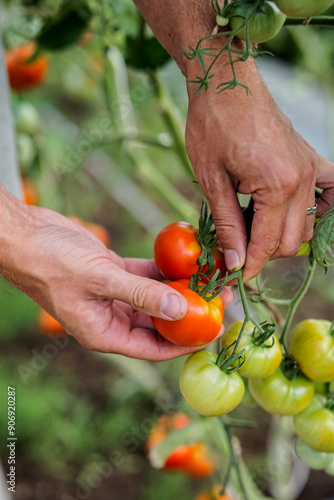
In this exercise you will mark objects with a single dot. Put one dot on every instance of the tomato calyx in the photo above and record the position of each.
(290, 368)
(207, 238)
(227, 363)
(264, 336)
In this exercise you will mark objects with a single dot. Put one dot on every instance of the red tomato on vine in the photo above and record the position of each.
(201, 324)
(24, 71)
(176, 250)
(192, 459)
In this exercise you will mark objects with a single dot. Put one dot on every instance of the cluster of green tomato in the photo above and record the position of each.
(300, 384)
(306, 393)
(263, 22)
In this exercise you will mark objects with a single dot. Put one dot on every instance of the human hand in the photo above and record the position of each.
(102, 300)
(239, 143)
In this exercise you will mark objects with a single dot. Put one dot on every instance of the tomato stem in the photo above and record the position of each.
(234, 459)
(242, 55)
(314, 21)
(294, 303)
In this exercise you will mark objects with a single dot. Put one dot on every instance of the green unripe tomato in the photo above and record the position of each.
(208, 389)
(26, 151)
(264, 24)
(305, 249)
(311, 344)
(260, 361)
(303, 8)
(27, 118)
(315, 425)
(280, 396)
(312, 458)
(222, 21)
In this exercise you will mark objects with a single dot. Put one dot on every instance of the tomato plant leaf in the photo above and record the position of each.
(323, 240)
(66, 27)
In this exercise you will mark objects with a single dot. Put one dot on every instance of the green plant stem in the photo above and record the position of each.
(297, 299)
(144, 138)
(314, 21)
(169, 117)
(248, 316)
(234, 460)
(163, 186)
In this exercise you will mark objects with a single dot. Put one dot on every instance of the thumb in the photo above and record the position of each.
(229, 223)
(146, 295)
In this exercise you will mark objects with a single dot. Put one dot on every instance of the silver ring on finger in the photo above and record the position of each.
(312, 210)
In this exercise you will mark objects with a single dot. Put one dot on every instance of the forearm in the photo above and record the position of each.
(178, 23)
(15, 227)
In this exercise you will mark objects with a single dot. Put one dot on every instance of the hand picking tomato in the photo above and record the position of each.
(213, 494)
(24, 74)
(201, 324)
(264, 25)
(176, 250)
(312, 458)
(303, 8)
(48, 324)
(260, 361)
(311, 344)
(280, 396)
(315, 425)
(193, 459)
(207, 388)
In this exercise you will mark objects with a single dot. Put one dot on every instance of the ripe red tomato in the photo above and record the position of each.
(176, 250)
(22, 73)
(201, 324)
(30, 194)
(193, 459)
(48, 324)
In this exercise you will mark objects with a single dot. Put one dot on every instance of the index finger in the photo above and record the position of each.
(267, 228)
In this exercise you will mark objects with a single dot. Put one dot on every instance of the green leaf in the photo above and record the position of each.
(66, 27)
(323, 240)
(145, 53)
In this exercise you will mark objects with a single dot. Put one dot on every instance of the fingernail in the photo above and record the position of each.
(232, 260)
(172, 306)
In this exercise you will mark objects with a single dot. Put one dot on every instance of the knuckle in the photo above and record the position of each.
(289, 183)
(309, 172)
(289, 250)
(140, 295)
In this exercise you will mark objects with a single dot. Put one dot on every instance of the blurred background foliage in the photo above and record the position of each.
(102, 139)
